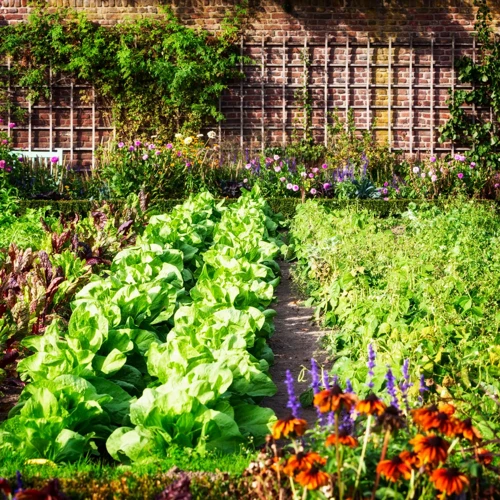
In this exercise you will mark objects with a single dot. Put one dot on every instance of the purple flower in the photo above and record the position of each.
(406, 384)
(19, 482)
(391, 388)
(293, 402)
(8, 169)
(327, 186)
(121, 144)
(295, 187)
(315, 384)
(131, 148)
(12, 125)
(422, 389)
(158, 153)
(324, 166)
(145, 157)
(385, 191)
(313, 191)
(460, 175)
(371, 365)
(432, 159)
(472, 164)
(169, 145)
(386, 184)
(348, 386)
(188, 164)
(20, 158)
(326, 383)
(179, 154)
(137, 143)
(54, 159)
(2, 163)
(496, 186)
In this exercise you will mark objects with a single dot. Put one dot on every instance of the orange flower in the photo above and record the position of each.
(394, 469)
(302, 461)
(449, 481)
(484, 456)
(343, 438)
(440, 419)
(334, 399)
(468, 431)
(289, 426)
(371, 405)
(431, 449)
(313, 478)
(410, 458)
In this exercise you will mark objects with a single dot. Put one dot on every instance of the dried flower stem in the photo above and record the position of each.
(382, 457)
(337, 456)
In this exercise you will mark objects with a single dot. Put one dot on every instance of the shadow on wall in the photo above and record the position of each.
(358, 18)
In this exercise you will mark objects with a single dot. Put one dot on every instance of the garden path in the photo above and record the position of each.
(295, 341)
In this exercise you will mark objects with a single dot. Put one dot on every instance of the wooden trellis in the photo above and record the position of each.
(397, 87)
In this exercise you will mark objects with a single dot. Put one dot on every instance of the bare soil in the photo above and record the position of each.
(295, 341)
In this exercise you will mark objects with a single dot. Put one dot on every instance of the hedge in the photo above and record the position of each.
(285, 206)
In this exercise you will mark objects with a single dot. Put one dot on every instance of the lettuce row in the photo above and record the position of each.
(212, 370)
(85, 375)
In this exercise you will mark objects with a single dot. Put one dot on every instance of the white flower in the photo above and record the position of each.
(303, 174)
(188, 140)
(178, 136)
(199, 136)
(277, 169)
(422, 175)
(211, 135)
(416, 170)
(434, 178)
(248, 166)
(276, 157)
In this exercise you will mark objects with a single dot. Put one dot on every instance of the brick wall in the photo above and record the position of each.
(389, 60)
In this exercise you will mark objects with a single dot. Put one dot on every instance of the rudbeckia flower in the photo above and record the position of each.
(343, 438)
(371, 405)
(289, 426)
(468, 431)
(334, 399)
(313, 478)
(431, 449)
(449, 481)
(302, 461)
(484, 457)
(394, 469)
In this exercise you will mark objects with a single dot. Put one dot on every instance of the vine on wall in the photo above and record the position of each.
(157, 75)
(472, 127)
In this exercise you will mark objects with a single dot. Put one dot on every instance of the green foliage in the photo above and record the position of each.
(157, 74)
(196, 362)
(473, 128)
(422, 286)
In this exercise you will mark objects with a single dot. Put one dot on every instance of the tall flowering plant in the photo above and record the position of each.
(375, 446)
(434, 177)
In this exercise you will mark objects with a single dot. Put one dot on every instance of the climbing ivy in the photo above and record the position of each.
(157, 75)
(473, 128)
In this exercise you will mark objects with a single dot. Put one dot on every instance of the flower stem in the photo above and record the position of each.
(337, 456)
(382, 457)
(363, 452)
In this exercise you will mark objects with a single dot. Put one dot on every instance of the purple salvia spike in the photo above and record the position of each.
(371, 365)
(391, 388)
(293, 402)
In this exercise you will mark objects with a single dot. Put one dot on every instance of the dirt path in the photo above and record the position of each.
(295, 341)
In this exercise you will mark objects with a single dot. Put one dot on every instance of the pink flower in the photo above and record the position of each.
(295, 187)
(432, 159)
(289, 185)
(315, 170)
(283, 179)
(496, 186)
(434, 178)
(5, 141)
(131, 148)
(460, 175)
(277, 169)
(2, 163)
(145, 157)
(245, 181)
(472, 164)
(120, 144)
(311, 176)
(422, 175)
(151, 146)
(54, 159)
(12, 125)
(276, 157)
(248, 166)
(386, 199)
(326, 186)
(324, 166)
(179, 154)
(169, 146)
(313, 191)
(158, 153)
(188, 164)
(137, 143)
